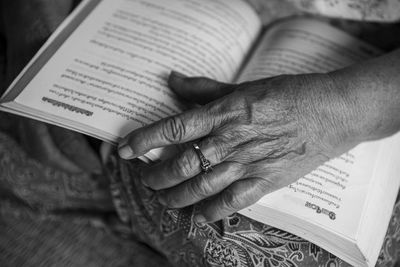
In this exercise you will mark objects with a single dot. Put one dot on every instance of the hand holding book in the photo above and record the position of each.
(103, 73)
(259, 136)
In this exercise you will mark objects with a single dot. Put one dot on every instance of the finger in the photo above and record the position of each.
(199, 90)
(237, 196)
(184, 166)
(202, 186)
(182, 128)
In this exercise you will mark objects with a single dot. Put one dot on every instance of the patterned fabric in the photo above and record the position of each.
(50, 217)
(363, 10)
(234, 241)
(367, 10)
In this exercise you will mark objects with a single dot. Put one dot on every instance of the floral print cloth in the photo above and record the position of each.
(364, 10)
(52, 218)
(234, 241)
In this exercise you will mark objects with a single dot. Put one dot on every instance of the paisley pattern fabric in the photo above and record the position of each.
(367, 10)
(234, 241)
(364, 10)
(52, 218)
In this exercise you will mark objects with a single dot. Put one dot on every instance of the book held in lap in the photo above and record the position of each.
(104, 73)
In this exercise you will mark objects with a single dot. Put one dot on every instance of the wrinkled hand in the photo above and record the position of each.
(26, 26)
(259, 137)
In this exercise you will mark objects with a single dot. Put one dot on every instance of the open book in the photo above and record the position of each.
(104, 73)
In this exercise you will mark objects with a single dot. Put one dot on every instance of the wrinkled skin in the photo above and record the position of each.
(263, 135)
(259, 136)
(26, 25)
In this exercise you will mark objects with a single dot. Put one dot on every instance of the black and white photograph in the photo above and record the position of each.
(185, 133)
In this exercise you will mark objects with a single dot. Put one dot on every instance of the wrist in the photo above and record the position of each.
(333, 116)
(372, 101)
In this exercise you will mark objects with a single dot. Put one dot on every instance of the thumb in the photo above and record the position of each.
(198, 90)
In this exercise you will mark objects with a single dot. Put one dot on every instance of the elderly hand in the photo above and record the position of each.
(259, 136)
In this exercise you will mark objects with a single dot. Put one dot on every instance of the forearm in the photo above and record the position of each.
(372, 90)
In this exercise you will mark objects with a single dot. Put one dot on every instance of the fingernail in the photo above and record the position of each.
(199, 218)
(126, 152)
(178, 75)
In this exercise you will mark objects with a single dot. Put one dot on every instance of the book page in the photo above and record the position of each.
(111, 73)
(334, 194)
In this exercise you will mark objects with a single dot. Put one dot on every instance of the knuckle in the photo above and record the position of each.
(174, 129)
(220, 147)
(183, 167)
(238, 169)
(201, 187)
